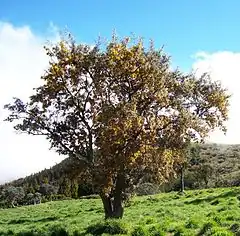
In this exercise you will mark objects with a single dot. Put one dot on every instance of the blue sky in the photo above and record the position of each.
(200, 35)
(184, 27)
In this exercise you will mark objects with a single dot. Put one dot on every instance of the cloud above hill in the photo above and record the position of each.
(224, 66)
(22, 62)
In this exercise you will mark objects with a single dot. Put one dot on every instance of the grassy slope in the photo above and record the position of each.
(201, 212)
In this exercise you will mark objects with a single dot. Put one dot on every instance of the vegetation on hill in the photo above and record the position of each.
(223, 161)
(55, 183)
(198, 212)
(213, 165)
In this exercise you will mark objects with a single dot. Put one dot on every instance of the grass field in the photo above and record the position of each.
(201, 212)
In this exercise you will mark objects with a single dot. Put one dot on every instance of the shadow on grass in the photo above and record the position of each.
(59, 231)
(231, 193)
(111, 227)
(54, 231)
(21, 221)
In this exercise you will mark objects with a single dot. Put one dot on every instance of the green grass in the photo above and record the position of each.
(201, 212)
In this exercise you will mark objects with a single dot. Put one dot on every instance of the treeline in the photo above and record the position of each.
(209, 165)
(56, 183)
(206, 165)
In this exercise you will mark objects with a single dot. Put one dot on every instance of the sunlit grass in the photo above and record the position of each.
(201, 212)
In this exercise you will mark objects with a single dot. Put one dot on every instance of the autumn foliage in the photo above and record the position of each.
(121, 110)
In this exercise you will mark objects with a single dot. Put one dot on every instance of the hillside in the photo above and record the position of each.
(199, 212)
(223, 159)
(62, 176)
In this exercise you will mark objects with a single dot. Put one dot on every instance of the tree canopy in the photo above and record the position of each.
(120, 109)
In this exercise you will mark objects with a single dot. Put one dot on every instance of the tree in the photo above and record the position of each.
(202, 169)
(45, 180)
(31, 198)
(37, 198)
(13, 195)
(48, 190)
(74, 189)
(204, 173)
(65, 187)
(192, 157)
(121, 111)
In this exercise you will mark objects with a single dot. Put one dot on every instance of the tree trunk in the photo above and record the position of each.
(117, 208)
(182, 180)
(113, 207)
(107, 205)
(117, 201)
(12, 204)
(206, 183)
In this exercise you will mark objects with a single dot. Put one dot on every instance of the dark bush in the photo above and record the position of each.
(108, 227)
(58, 231)
(60, 197)
(27, 234)
(235, 228)
(206, 229)
(156, 231)
(147, 189)
(139, 231)
(48, 190)
(191, 224)
(92, 196)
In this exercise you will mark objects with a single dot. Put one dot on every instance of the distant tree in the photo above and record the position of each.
(13, 195)
(31, 189)
(191, 159)
(194, 156)
(35, 184)
(1, 194)
(74, 189)
(37, 198)
(45, 180)
(65, 187)
(204, 173)
(199, 165)
(48, 190)
(85, 189)
(182, 170)
(29, 199)
(123, 99)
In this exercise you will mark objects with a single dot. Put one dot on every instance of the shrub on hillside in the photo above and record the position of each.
(48, 190)
(60, 197)
(147, 189)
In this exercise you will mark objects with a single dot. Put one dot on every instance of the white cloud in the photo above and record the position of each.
(22, 62)
(224, 66)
